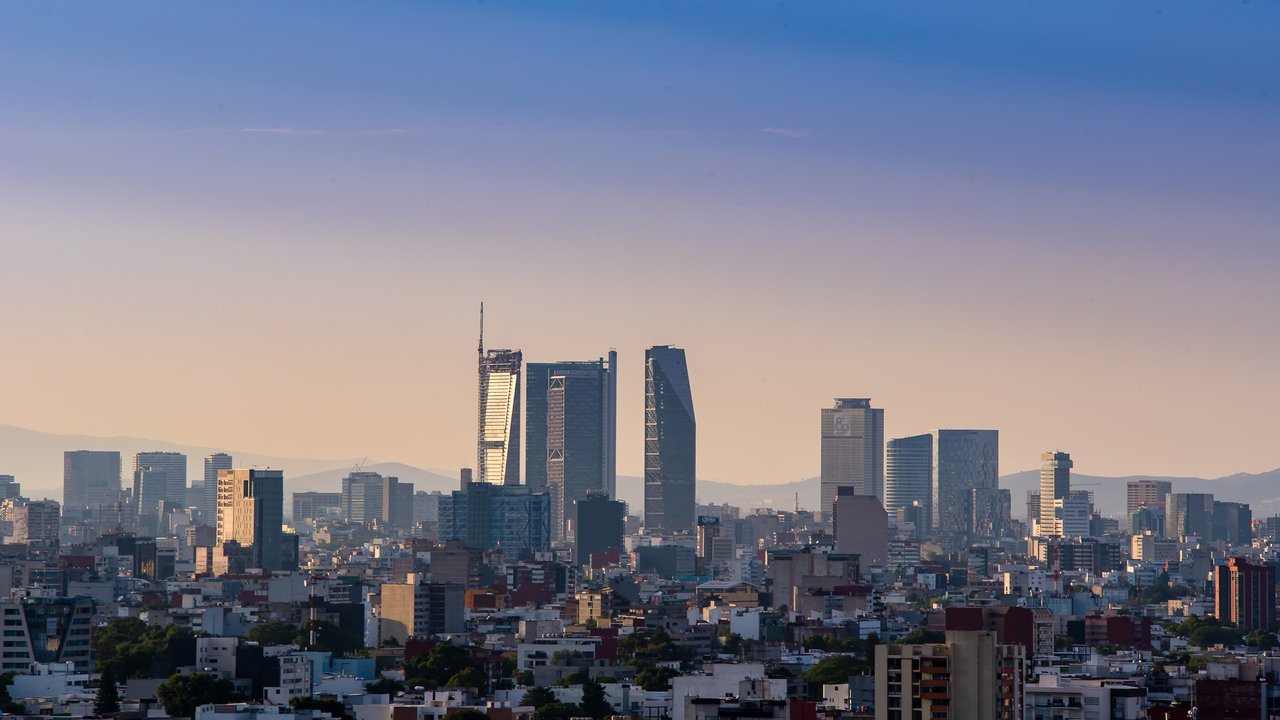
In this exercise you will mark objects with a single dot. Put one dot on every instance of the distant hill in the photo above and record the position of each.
(331, 480)
(1261, 491)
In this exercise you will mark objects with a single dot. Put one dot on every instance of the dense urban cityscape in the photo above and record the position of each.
(910, 593)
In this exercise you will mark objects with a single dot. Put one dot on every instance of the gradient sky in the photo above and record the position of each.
(268, 226)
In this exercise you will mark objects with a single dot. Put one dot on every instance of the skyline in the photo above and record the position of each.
(1013, 218)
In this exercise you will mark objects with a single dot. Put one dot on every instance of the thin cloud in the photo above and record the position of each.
(392, 131)
(283, 131)
(787, 132)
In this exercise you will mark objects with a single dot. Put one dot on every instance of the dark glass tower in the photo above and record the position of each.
(670, 442)
(90, 480)
(570, 436)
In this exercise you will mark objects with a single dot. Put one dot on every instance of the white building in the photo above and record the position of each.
(51, 680)
(217, 655)
(724, 680)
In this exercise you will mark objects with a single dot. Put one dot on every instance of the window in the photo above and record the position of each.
(13, 622)
(14, 633)
(17, 655)
(10, 611)
(15, 643)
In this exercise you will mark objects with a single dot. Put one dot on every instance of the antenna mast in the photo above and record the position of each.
(481, 349)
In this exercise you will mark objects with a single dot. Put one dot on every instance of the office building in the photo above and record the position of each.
(852, 450)
(212, 464)
(515, 519)
(36, 520)
(1148, 546)
(426, 506)
(1055, 484)
(417, 608)
(9, 488)
(90, 480)
(861, 527)
(963, 461)
(794, 572)
(316, 505)
(361, 496)
(1147, 519)
(1232, 523)
(908, 475)
(57, 629)
(150, 488)
(397, 503)
(1189, 514)
(570, 433)
(251, 512)
(715, 544)
(670, 442)
(1145, 493)
(992, 512)
(1245, 594)
(599, 526)
(968, 677)
(174, 467)
(498, 443)
(1070, 517)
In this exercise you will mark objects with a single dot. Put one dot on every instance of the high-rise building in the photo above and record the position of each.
(9, 488)
(1189, 514)
(416, 607)
(969, 677)
(599, 525)
(90, 479)
(670, 442)
(212, 464)
(312, 505)
(36, 520)
(1245, 594)
(1143, 493)
(992, 510)
(570, 433)
(251, 512)
(715, 544)
(1233, 523)
(426, 506)
(908, 476)
(498, 444)
(861, 527)
(361, 496)
(397, 503)
(1055, 484)
(963, 461)
(149, 490)
(485, 516)
(852, 450)
(174, 467)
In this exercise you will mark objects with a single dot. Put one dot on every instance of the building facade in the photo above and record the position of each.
(1245, 594)
(1055, 484)
(992, 512)
(1145, 493)
(1189, 514)
(599, 527)
(90, 479)
(571, 433)
(670, 442)
(313, 505)
(416, 607)
(908, 474)
(251, 512)
(515, 519)
(969, 677)
(174, 467)
(498, 442)
(212, 464)
(852, 450)
(861, 527)
(963, 460)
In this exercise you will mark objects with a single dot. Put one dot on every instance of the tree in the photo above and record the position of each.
(655, 679)
(108, 700)
(390, 642)
(470, 677)
(1261, 639)
(524, 677)
(330, 638)
(652, 645)
(272, 633)
(436, 667)
(833, 671)
(924, 637)
(334, 707)
(538, 696)
(129, 645)
(573, 678)
(7, 705)
(384, 686)
(182, 694)
(594, 703)
(558, 711)
(466, 714)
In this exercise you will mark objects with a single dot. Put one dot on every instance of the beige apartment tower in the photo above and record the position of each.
(251, 512)
(852, 450)
(969, 677)
(1143, 493)
(1055, 484)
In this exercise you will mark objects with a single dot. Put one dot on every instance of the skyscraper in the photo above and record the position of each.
(90, 479)
(251, 512)
(212, 464)
(963, 461)
(908, 475)
(149, 488)
(670, 442)
(852, 450)
(498, 445)
(362, 496)
(1147, 492)
(1055, 484)
(1189, 514)
(570, 433)
(489, 517)
(174, 467)
(599, 526)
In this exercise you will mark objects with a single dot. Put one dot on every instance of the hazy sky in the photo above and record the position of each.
(268, 226)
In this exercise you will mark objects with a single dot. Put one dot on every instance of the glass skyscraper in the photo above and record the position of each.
(908, 475)
(90, 480)
(852, 450)
(490, 517)
(963, 461)
(570, 433)
(498, 444)
(670, 442)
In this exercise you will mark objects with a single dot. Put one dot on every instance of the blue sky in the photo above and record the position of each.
(973, 205)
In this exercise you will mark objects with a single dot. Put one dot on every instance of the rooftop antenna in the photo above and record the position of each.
(481, 349)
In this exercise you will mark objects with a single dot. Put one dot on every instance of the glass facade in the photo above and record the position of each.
(498, 451)
(908, 473)
(963, 461)
(494, 517)
(852, 450)
(670, 442)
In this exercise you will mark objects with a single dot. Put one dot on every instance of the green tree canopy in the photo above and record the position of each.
(384, 686)
(833, 671)
(536, 697)
(182, 694)
(654, 678)
(436, 667)
(594, 703)
(652, 645)
(330, 638)
(7, 705)
(558, 711)
(924, 637)
(272, 633)
(108, 699)
(573, 678)
(470, 677)
(128, 645)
